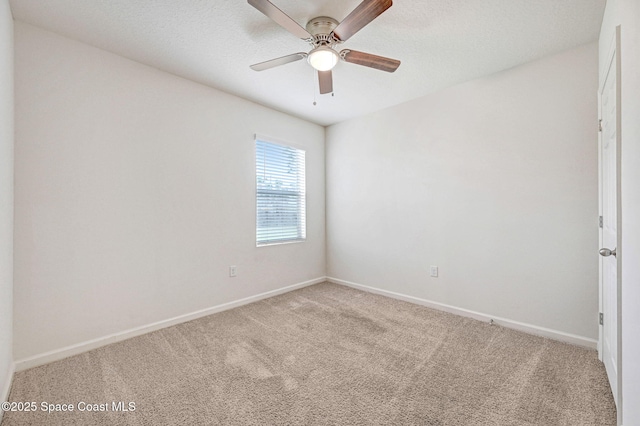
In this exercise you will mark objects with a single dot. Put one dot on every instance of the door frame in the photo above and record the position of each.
(613, 53)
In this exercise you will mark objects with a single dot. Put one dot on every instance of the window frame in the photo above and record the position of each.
(302, 206)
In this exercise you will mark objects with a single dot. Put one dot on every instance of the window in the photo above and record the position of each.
(280, 193)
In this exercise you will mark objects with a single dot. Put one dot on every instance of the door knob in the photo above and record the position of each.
(606, 252)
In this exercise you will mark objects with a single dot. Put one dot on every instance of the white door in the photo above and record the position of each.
(609, 184)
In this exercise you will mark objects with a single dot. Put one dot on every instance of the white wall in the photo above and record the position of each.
(135, 192)
(626, 13)
(494, 181)
(6, 197)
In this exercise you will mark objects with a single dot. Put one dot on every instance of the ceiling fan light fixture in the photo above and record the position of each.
(323, 58)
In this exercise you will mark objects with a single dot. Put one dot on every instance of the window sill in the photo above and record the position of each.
(278, 243)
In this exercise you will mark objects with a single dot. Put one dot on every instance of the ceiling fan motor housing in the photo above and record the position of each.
(320, 28)
(321, 25)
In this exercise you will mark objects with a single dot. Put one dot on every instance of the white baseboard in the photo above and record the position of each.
(516, 325)
(6, 387)
(78, 348)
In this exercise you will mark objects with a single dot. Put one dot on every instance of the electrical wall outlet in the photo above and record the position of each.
(233, 271)
(433, 271)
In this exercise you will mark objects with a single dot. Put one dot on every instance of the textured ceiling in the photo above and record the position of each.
(213, 42)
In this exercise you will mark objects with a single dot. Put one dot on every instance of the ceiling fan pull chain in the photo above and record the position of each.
(313, 79)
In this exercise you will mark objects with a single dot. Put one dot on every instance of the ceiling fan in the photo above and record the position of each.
(324, 34)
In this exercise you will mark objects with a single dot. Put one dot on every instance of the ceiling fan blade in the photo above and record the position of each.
(366, 12)
(369, 60)
(285, 21)
(326, 82)
(278, 61)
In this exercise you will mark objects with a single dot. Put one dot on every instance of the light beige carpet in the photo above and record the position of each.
(325, 355)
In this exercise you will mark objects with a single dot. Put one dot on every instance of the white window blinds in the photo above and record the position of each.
(280, 194)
